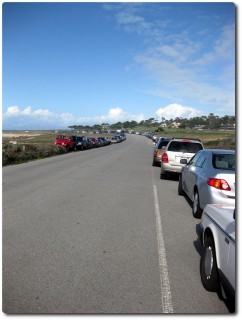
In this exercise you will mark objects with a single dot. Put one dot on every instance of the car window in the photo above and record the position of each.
(163, 143)
(202, 159)
(195, 158)
(224, 161)
(182, 146)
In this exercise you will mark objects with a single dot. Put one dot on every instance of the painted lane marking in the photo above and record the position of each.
(164, 277)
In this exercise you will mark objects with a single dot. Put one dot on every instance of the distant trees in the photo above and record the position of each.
(211, 122)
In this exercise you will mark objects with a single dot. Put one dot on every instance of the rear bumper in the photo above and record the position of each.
(157, 160)
(166, 167)
(214, 196)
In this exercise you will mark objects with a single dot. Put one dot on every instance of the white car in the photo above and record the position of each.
(177, 149)
(217, 234)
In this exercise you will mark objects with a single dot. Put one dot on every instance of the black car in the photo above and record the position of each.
(81, 143)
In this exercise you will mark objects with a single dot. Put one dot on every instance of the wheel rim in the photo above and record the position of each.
(195, 202)
(208, 264)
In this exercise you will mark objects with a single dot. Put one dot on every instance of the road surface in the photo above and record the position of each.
(98, 232)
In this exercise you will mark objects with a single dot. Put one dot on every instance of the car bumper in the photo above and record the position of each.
(213, 196)
(166, 167)
(157, 160)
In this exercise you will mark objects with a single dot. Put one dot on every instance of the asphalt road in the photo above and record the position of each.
(98, 232)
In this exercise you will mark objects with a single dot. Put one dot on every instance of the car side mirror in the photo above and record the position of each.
(183, 161)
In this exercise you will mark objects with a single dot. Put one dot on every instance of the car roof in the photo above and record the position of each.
(222, 151)
(188, 139)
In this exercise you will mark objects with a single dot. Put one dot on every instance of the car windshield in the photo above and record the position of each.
(224, 161)
(183, 146)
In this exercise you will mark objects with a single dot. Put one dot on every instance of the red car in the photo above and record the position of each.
(69, 142)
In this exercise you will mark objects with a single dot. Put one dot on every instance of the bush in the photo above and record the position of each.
(14, 154)
(228, 143)
(160, 129)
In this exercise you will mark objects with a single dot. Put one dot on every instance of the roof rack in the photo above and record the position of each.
(186, 138)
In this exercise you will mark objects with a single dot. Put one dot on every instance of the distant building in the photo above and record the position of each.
(175, 124)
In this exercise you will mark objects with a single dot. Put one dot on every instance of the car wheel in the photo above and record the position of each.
(154, 163)
(180, 188)
(208, 266)
(196, 209)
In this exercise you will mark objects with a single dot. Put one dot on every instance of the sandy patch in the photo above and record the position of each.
(17, 135)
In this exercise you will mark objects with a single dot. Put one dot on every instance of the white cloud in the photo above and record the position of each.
(114, 115)
(14, 111)
(175, 110)
(127, 18)
(15, 118)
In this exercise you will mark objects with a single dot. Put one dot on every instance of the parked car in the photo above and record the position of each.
(115, 139)
(81, 143)
(177, 149)
(89, 143)
(105, 141)
(95, 142)
(101, 142)
(159, 150)
(216, 232)
(108, 141)
(67, 141)
(209, 177)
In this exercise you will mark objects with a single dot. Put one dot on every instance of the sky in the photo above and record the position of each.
(85, 63)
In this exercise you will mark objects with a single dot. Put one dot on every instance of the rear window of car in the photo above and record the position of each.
(185, 146)
(163, 143)
(224, 161)
(63, 137)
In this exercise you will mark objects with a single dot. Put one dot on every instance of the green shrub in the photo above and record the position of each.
(14, 154)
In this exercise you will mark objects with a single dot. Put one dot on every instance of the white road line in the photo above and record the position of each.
(164, 277)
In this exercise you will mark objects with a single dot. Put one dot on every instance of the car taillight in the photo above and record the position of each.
(164, 157)
(218, 184)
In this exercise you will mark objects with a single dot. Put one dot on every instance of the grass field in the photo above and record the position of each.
(23, 146)
(209, 138)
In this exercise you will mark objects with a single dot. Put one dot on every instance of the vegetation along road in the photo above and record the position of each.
(98, 232)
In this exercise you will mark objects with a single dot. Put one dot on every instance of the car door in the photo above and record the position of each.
(230, 240)
(190, 174)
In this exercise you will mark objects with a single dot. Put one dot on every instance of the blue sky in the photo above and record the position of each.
(89, 63)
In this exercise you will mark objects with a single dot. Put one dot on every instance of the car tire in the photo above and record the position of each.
(154, 163)
(208, 266)
(180, 188)
(196, 209)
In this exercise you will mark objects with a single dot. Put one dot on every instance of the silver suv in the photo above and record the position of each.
(177, 149)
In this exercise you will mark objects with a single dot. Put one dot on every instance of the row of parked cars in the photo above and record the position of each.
(207, 178)
(71, 142)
